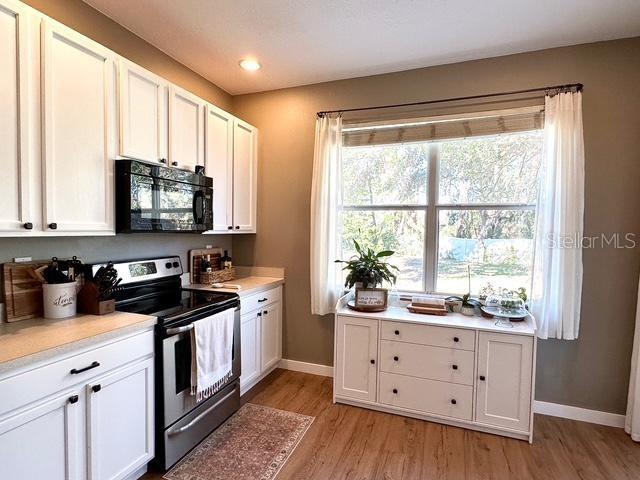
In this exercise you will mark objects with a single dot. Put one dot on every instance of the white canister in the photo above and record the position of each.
(59, 299)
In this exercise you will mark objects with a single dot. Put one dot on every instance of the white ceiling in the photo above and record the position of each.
(300, 42)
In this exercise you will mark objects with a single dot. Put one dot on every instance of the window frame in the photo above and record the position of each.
(432, 211)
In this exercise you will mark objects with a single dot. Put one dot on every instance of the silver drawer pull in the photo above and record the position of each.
(177, 330)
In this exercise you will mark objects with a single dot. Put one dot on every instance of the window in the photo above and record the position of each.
(444, 206)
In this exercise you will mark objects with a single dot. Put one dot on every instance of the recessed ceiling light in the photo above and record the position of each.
(250, 65)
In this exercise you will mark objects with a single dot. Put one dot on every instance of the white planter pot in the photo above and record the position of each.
(59, 299)
(468, 311)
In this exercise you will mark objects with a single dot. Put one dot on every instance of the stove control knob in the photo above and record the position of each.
(176, 264)
(168, 264)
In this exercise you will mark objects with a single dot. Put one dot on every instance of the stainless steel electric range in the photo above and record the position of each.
(153, 287)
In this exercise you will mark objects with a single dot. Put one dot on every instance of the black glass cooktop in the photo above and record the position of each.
(169, 304)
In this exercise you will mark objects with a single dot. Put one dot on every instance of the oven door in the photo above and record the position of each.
(176, 368)
(160, 204)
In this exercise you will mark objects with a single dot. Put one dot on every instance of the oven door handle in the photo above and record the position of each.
(177, 330)
(184, 428)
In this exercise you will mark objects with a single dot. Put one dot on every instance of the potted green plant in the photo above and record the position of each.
(366, 271)
(468, 305)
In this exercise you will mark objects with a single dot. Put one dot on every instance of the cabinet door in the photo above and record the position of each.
(271, 336)
(356, 358)
(245, 169)
(120, 422)
(79, 131)
(186, 128)
(504, 380)
(219, 165)
(42, 441)
(14, 181)
(250, 349)
(142, 100)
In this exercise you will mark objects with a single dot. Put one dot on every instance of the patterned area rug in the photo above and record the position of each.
(253, 444)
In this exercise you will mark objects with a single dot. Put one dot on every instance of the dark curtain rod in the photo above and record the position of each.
(557, 88)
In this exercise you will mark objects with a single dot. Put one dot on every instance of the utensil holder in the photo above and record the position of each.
(59, 299)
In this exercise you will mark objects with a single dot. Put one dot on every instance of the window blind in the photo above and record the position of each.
(443, 127)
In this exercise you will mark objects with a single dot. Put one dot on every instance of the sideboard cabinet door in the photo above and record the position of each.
(356, 358)
(504, 380)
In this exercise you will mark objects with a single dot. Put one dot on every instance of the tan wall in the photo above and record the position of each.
(90, 22)
(591, 372)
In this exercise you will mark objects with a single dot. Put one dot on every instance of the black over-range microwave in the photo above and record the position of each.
(152, 198)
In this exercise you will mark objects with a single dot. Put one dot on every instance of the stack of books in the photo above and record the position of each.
(427, 304)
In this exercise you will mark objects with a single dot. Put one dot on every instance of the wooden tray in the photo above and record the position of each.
(352, 305)
(427, 310)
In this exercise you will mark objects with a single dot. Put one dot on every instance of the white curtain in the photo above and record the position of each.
(632, 421)
(557, 270)
(325, 202)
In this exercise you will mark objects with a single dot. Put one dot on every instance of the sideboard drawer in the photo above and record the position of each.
(428, 396)
(449, 337)
(426, 361)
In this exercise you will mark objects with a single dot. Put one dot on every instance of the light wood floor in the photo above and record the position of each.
(357, 444)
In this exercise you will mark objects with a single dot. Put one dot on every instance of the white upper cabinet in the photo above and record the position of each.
(245, 171)
(71, 107)
(79, 131)
(143, 113)
(186, 128)
(219, 165)
(505, 364)
(15, 214)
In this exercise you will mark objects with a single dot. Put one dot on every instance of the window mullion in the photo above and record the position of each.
(431, 240)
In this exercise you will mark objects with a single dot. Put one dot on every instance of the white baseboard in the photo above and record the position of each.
(543, 408)
(577, 413)
(313, 368)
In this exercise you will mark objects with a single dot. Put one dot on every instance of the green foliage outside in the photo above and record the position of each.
(495, 242)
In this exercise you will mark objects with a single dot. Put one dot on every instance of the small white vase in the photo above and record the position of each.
(468, 311)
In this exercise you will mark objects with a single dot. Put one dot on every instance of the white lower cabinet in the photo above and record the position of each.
(120, 421)
(271, 337)
(250, 349)
(41, 441)
(472, 374)
(261, 335)
(82, 416)
(504, 380)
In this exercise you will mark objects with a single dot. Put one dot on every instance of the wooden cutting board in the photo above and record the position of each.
(22, 292)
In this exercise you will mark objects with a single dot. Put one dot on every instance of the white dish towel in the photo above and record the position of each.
(211, 353)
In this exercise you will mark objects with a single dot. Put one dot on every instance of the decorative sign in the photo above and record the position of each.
(371, 298)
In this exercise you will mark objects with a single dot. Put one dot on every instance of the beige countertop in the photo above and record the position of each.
(37, 339)
(248, 285)
(402, 314)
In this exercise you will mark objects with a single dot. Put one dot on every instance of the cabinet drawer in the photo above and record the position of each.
(261, 299)
(449, 337)
(425, 361)
(20, 390)
(428, 396)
